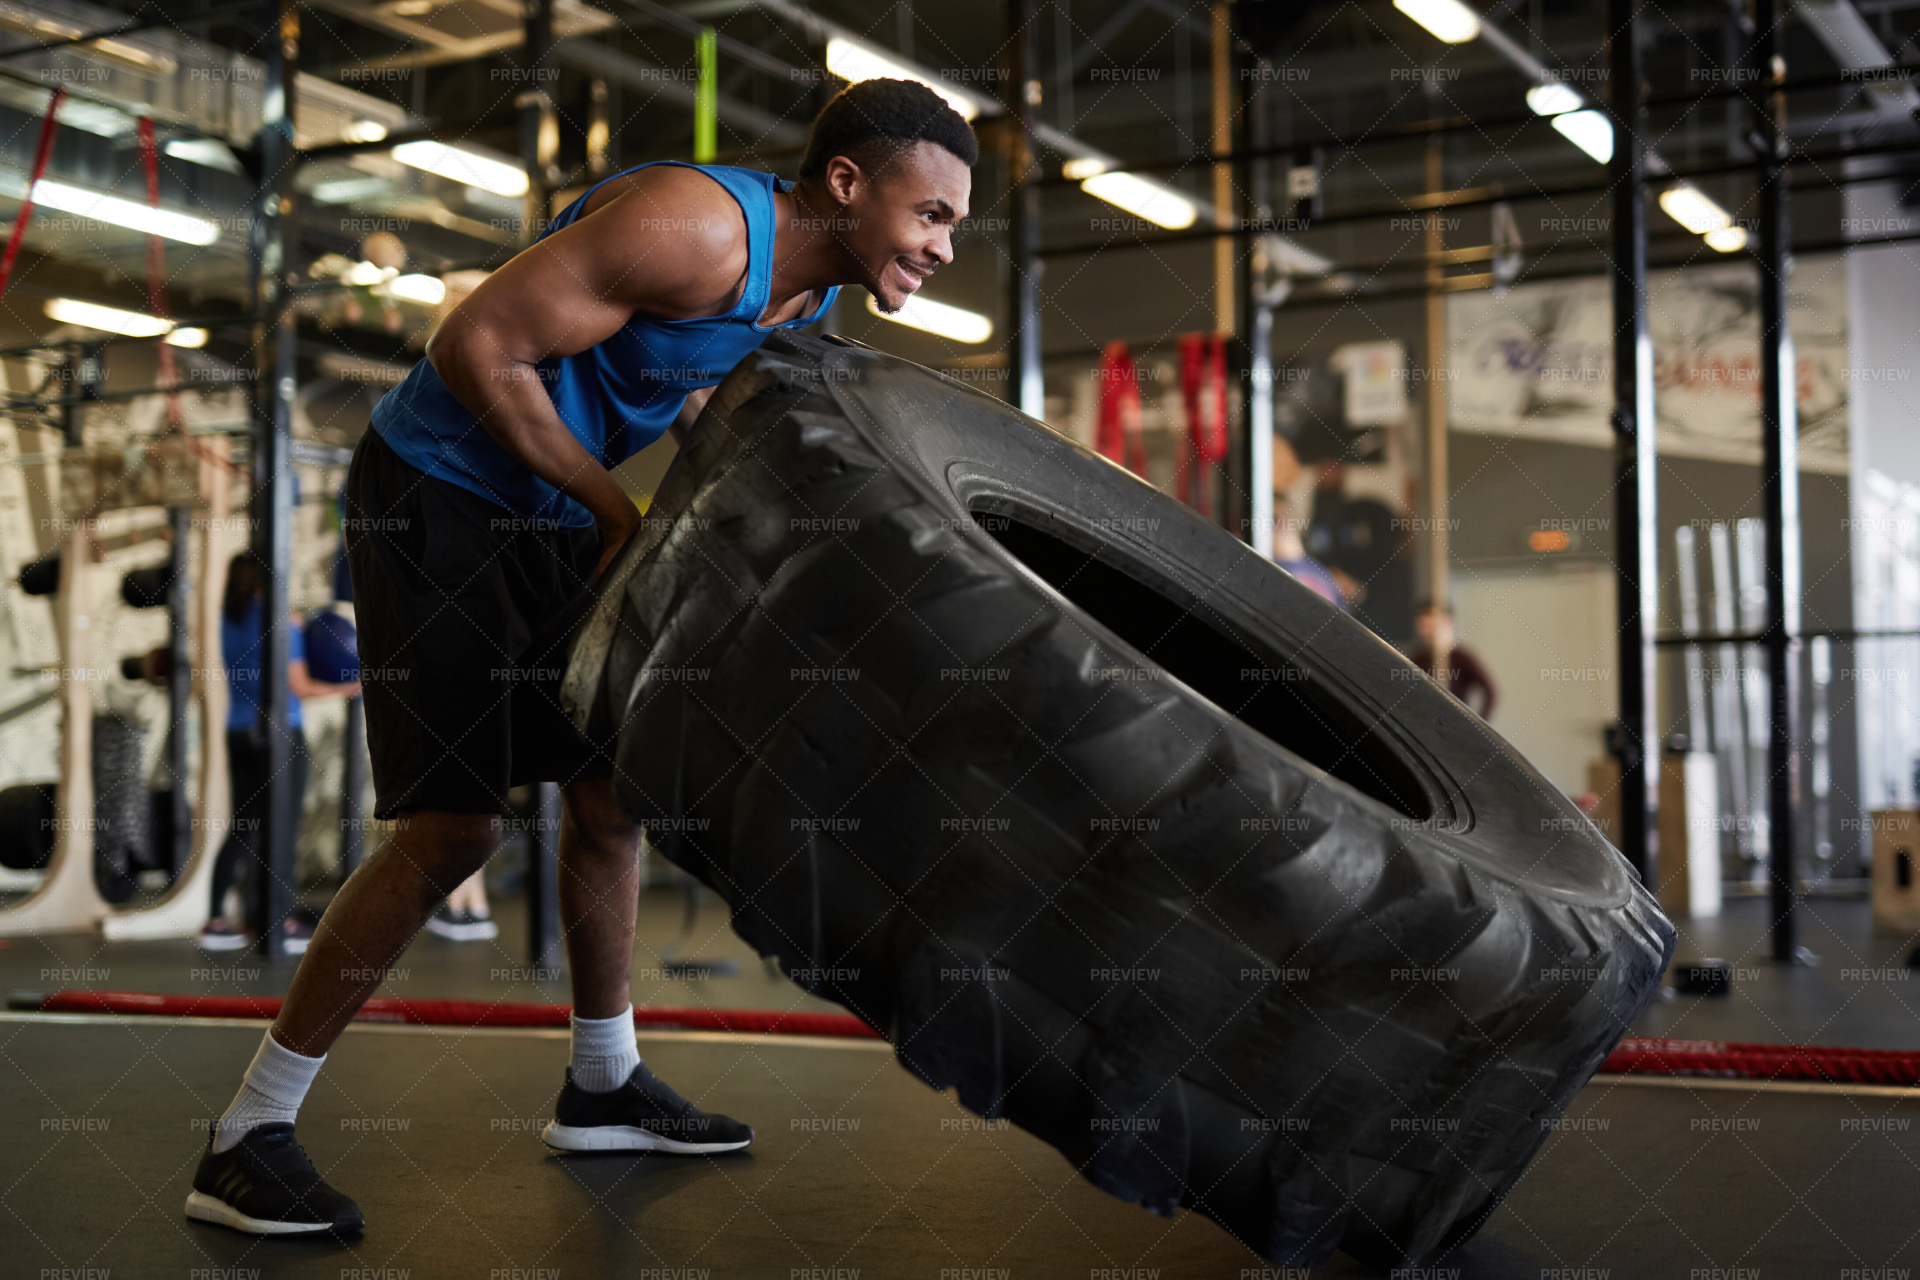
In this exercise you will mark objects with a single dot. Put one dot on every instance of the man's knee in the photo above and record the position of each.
(444, 848)
(596, 817)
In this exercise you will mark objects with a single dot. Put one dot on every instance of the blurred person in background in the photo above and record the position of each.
(464, 916)
(1290, 553)
(1467, 676)
(242, 637)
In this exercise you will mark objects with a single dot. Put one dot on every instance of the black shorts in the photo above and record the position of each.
(464, 611)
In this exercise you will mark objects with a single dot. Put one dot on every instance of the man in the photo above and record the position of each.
(1467, 676)
(480, 508)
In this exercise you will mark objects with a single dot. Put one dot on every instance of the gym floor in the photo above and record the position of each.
(858, 1170)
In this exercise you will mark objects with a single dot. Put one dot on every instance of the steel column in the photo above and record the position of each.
(1028, 389)
(539, 126)
(274, 386)
(178, 838)
(1779, 471)
(353, 785)
(544, 941)
(1637, 546)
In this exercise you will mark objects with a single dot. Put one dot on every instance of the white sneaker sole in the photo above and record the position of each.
(479, 931)
(620, 1137)
(224, 941)
(204, 1207)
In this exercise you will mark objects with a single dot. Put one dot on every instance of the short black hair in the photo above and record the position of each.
(874, 120)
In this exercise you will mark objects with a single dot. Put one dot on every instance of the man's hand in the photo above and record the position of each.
(613, 536)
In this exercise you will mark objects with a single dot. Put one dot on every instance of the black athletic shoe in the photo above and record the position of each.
(265, 1184)
(641, 1115)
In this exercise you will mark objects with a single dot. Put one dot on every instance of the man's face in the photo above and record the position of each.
(900, 219)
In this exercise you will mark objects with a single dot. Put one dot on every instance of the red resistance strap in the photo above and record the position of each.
(465, 1013)
(48, 126)
(1117, 432)
(1203, 388)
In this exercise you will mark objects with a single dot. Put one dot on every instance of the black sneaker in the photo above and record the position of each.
(265, 1184)
(641, 1115)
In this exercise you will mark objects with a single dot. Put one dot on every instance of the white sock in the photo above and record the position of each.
(604, 1051)
(275, 1085)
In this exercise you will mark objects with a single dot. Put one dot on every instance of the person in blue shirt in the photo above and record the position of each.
(480, 511)
(241, 641)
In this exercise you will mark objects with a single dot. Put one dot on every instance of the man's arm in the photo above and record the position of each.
(575, 289)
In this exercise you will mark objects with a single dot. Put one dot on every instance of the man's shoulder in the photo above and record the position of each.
(683, 225)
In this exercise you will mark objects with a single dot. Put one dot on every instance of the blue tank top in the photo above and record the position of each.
(240, 648)
(616, 397)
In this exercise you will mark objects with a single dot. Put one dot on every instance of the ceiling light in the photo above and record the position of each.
(1083, 167)
(1150, 200)
(460, 165)
(853, 61)
(1727, 239)
(135, 324)
(1447, 20)
(1589, 130)
(937, 317)
(183, 227)
(363, 274)
(210, 152)
(1690, 207)
(364, 131)
(427, 290)
(1553, 98)
(187, 338)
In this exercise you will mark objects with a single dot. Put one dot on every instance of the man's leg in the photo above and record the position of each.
(375, 916)
(253, 1175)
(599, 896)
(611, 1101)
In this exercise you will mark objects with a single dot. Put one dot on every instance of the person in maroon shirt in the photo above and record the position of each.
(1466, 674)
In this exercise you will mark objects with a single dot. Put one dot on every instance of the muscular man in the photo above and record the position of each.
(479, 511)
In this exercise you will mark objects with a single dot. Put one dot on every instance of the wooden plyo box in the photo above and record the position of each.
(1896, 870)
(1688, 824)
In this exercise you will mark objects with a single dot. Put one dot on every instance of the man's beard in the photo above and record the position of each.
(880, 302)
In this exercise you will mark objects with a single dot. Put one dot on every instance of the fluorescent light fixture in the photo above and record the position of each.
(1727, 239)
(937, 317)
(187, 338)
(1690, 207)
(853, 61)
(210, 152)
(1590, 131)
(183, 227)
(1149, 200)
(364, 131)
(135, 324)
(1553, 98)
(460, 165)
(1447, 20)
(363, 274)
(347, 190)
(1081, 168)
(426, 290)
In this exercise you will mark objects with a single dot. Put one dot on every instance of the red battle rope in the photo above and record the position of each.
(1635, 1055)
(464, 1013)
(1652, 1056)
(47, 128)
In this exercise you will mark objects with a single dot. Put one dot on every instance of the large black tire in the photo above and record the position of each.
(1101, 818)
